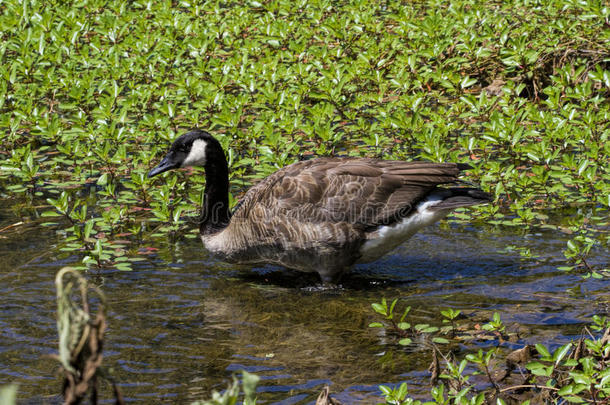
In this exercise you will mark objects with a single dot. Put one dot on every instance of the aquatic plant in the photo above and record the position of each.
(231, 395)
(576, 372)
(92, 92)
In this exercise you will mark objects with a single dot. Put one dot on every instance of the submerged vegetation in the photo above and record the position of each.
(92, 93)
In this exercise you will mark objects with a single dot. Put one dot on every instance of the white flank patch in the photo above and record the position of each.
(196, 156)
(387, 238)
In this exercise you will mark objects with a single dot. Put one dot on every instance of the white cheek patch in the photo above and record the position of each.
(196, 156)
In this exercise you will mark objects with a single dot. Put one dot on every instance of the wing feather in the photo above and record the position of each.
(363, 193)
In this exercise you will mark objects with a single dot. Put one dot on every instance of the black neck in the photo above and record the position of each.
(215, 214)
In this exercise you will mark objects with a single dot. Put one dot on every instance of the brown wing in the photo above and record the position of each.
(363, 193)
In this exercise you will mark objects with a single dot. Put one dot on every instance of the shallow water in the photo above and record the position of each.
(180, 325)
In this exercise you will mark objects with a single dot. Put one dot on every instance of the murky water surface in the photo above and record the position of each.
(180, 325)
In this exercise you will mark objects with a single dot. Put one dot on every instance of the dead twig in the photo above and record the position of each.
(11, 226)
(325, 399)
(81, 339)
(516, 387)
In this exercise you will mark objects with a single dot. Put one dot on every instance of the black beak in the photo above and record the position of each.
(165, 165)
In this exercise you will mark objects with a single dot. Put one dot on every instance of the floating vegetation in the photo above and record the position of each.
(577, 372)
(93, 92)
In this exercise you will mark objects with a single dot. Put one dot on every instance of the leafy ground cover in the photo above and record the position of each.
(92, 92)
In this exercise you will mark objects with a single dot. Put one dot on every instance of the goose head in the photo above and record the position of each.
(195, 148)
(198, 148)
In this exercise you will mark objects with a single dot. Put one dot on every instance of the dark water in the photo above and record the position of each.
(181, 325)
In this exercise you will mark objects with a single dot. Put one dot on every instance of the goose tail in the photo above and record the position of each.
(461, 197)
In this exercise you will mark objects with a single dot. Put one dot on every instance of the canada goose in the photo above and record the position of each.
(321, 215)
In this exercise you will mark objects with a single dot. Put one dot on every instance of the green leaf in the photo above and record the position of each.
(574, 400)
(124, 266)
(98, 251)
(534, 365)
(572, 246)
(467, 82)
(543, 351)
(402, 391)
(88, 228)
(249, 382)
(380, 309)
(392, 306)
(560, 353)
(479, 399)
(102, 180)
(404, 314)
(8, 394)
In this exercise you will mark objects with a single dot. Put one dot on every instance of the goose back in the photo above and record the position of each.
(365, 193)
(317, 214)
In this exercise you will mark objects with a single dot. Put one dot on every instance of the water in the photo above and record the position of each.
(180, 325)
